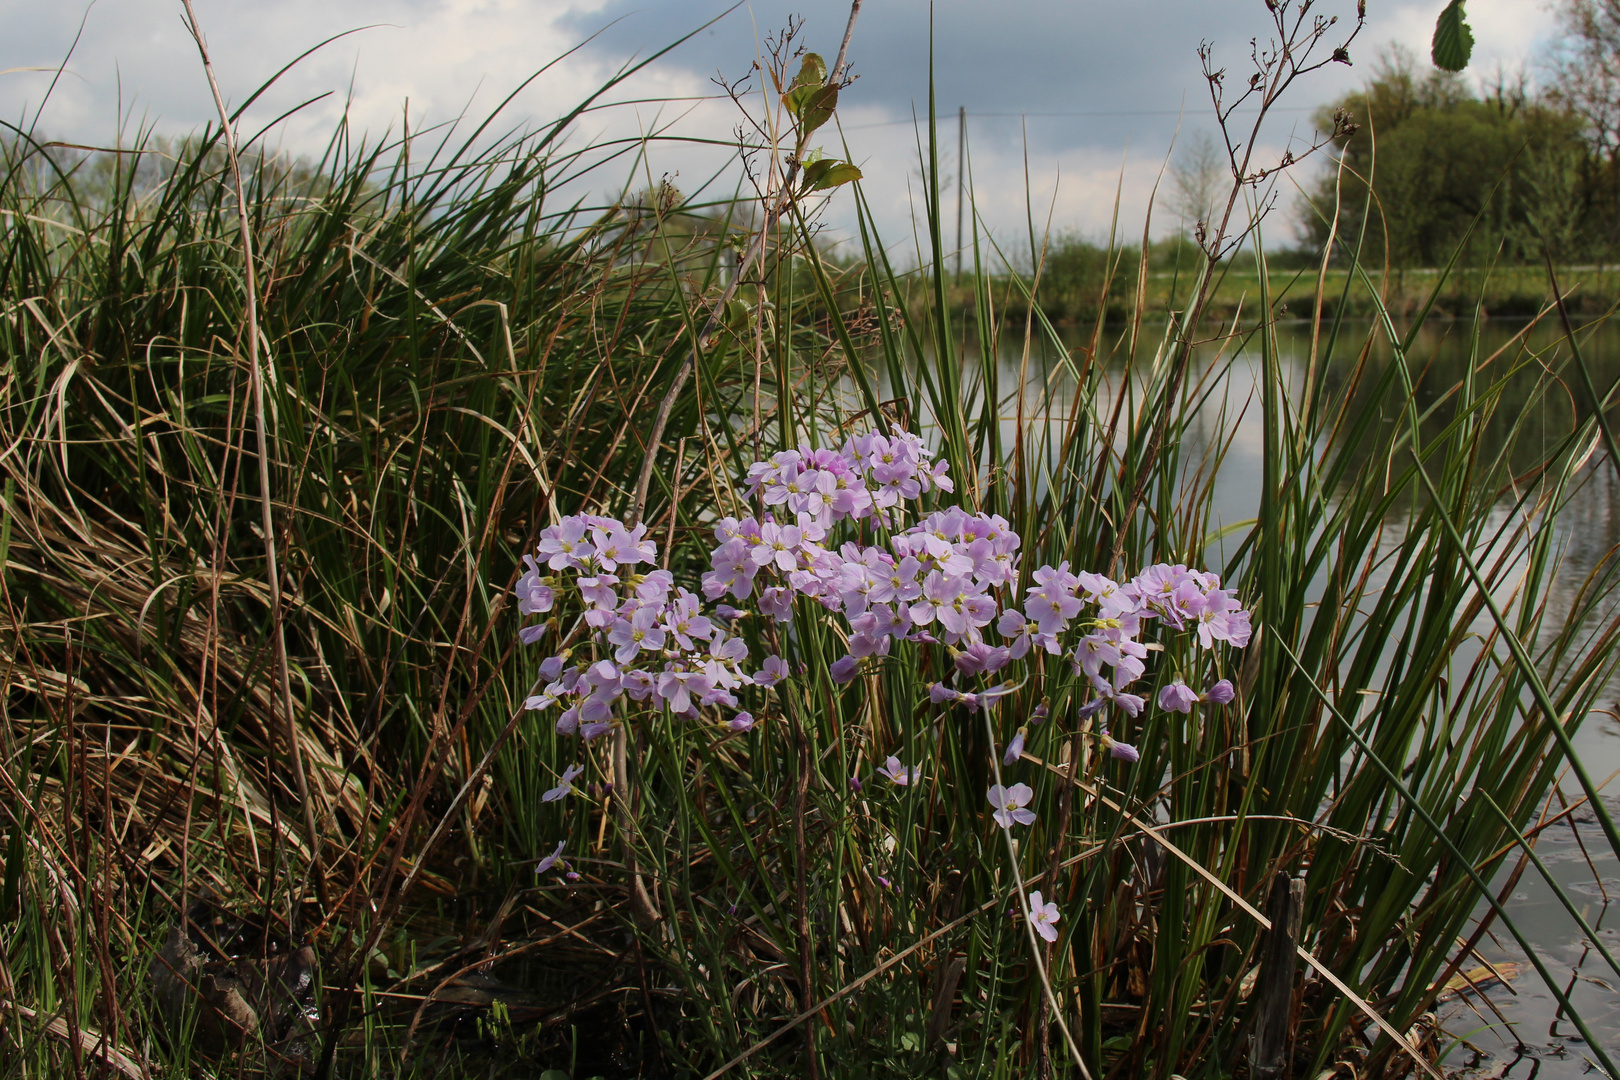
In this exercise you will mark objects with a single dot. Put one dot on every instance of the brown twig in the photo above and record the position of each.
(837, 75)
(756, 251)
(267, 518)
(1275, 71)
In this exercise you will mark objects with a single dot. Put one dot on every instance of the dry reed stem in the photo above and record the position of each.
(87, 1041)
(256, 389)
(97, 566)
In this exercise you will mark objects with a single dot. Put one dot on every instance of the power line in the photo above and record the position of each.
(1046, 115)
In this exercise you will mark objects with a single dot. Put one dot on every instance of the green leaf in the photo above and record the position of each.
(1453, 40)
(828, 173)
(813, 168)
(817, 109)
(809, 98)
(812, 72)
(842, 172)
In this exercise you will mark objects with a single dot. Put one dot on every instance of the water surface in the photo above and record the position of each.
(1515, 1033)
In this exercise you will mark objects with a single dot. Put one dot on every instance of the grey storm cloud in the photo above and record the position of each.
(1121, 71)
(1127, 67)
(1092, 91)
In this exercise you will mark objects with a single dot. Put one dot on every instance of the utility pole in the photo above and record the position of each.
(961, 178)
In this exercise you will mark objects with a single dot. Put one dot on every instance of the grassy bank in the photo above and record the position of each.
(1080, 280)
(1505, 291)
(454, 365)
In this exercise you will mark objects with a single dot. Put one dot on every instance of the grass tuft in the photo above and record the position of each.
(454, 358)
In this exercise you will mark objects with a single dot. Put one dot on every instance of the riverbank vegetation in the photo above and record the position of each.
(454, 366)
(1080, 280)
(1494, 178)
(1505, 176)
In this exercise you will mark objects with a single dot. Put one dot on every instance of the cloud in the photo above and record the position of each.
(135, 56)
(1090, 92)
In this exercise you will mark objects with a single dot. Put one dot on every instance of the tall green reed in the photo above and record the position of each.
(1384, 748)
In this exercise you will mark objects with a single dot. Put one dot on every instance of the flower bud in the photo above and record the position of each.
(1015, 749)
(1177, 697)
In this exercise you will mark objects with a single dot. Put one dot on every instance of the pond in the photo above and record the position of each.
(1513, 1022)
(1505, 1024)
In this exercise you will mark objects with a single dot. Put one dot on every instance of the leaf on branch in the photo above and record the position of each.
(814, 108)
(812, 72)
(809, 98)
(1453, 40)
(828, 173)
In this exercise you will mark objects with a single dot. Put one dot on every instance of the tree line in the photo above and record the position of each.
(1508, 171)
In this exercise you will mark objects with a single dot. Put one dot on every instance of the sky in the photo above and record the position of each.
(1084, 97)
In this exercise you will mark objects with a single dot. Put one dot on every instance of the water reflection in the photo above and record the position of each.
(1513, 1024)
(1542, 399)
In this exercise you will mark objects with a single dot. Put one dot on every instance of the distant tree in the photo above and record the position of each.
(1584, 78)
(1495, 173)
(1553, 203)
(1586, 69)
(1199, 175)
(1074, 273)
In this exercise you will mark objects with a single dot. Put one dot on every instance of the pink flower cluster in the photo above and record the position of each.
(932, 582)
(935, 582)
(1109, 655)
(872, 474)
(662, 647)
(893, 573)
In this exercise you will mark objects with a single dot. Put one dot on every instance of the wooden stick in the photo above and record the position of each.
(1268, 1054)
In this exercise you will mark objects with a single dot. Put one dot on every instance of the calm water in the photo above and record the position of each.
(1516, 1031)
